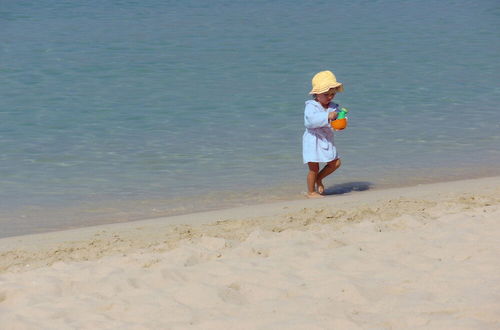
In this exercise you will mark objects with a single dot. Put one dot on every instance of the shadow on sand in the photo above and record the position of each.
(347, 187)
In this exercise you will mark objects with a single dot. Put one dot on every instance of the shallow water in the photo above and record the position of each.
(117, 111)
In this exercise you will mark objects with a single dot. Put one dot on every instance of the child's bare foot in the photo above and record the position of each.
(314, 195)
(320, 187)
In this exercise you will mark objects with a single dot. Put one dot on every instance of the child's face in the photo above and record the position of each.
(327, 97)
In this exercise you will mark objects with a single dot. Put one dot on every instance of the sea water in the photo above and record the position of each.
(120, 110)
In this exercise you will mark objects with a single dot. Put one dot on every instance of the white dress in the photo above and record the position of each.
(317, 142)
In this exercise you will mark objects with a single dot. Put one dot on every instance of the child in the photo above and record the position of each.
(317, 142)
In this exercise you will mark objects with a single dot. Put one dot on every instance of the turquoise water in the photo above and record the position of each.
(120, 110)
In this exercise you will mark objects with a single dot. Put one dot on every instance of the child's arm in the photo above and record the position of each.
(313, 118)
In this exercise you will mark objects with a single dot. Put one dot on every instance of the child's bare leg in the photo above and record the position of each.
(326, 171)
(311, 180)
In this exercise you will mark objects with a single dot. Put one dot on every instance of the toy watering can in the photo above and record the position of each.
(341, 122)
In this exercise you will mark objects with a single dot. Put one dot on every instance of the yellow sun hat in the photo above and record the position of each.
(323, 81)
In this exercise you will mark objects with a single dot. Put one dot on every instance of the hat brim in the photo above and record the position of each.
(339, 86)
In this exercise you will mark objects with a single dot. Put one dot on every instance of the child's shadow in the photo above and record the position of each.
(347, 187)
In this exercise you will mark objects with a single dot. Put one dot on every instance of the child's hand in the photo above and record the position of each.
(332, 116)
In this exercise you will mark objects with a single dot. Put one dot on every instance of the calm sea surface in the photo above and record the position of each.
(119, 110)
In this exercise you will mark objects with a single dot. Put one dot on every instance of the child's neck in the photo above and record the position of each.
(326, 106)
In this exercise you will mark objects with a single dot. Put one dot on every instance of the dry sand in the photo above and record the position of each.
(408, 258)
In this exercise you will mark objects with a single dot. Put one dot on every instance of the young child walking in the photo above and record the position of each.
(317, 143)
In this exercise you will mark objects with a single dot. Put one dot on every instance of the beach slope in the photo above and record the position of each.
(416, 257)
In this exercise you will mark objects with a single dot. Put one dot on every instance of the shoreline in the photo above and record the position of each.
(413, 257)
(137, 234)
(96, 213)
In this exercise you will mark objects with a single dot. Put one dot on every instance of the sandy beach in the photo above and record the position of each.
(422, 257)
